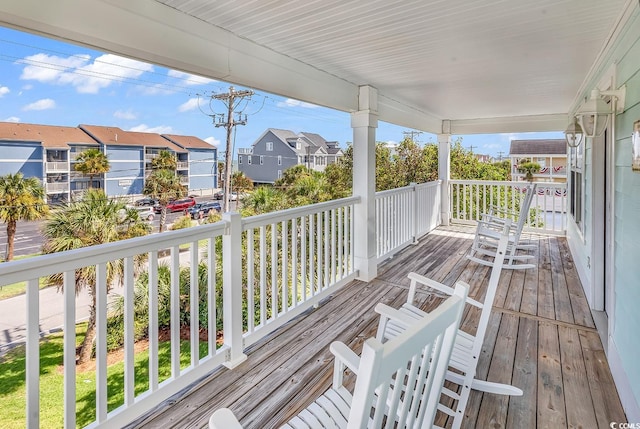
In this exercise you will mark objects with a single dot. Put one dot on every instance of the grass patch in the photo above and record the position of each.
(13, 390)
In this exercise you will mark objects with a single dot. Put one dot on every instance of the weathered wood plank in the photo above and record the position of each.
(546, 306)
(551, 404)
(579, 305)
(580, 410)
(606, 402)
(529, 303)
(560, 291)
(493, 410)
(522, 409)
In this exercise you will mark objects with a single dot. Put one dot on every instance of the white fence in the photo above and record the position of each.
(548, 214)
(405, 214)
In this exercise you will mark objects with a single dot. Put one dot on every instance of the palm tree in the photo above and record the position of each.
(20, 199)
(93, 220)
(166, 160)
(265, 199)
(165, 186)
(92, 162)
(240, 183)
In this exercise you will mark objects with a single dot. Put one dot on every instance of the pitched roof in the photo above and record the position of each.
(188, 142)
(538, 147)
(116, 136)
(50, 136)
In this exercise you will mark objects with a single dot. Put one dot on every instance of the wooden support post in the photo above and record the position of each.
(232, 289)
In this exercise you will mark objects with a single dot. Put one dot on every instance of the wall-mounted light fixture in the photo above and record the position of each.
(573, 134)
(593, 115)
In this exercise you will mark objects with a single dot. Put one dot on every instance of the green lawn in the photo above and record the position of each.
(12, 383)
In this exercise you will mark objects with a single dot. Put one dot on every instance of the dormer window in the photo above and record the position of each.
(269, 146)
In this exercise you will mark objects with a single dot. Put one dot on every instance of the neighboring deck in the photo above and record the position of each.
(541, 338)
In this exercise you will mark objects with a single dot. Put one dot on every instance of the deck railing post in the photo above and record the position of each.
(232, 290)
(444, 174)
(416, 213)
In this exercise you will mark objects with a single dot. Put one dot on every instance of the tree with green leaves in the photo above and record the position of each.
(92, 162)
(20, 199)
(93, 220)
(163, 183)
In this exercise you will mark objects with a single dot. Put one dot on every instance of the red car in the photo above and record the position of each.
(177, 205)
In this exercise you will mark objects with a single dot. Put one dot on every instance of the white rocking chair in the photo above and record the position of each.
(418, 358)
(489, 230)
(467, 348)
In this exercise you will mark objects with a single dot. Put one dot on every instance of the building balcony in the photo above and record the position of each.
(182, 165)
(56, 167)
(286, 286)
(57, 187)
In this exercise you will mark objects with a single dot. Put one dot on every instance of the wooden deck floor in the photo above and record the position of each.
(541, 338)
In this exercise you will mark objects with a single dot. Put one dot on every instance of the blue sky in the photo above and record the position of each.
(44, 81)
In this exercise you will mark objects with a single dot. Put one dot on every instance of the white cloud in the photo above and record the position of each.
(189, 79)
(290, 102)
(12, 119)
(78, 70)
(44, 104)
(212, 141)
(125, 114)
(160, 129)
(4, 90)
(192, 104)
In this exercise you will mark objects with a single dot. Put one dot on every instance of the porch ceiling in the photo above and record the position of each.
(486, 65)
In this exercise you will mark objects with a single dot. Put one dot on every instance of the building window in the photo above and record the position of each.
(249, 159)
(239, 159)
(298, 146)
(577, 182)
(542, 162)
(269, 146)
(261, 159)
(279, 159)
(279, 174)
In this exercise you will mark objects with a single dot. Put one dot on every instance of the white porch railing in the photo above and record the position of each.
(57, 187)
(405, 214)
(471, 198)
(244, 278)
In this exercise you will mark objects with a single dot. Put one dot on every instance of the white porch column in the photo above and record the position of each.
(364, 123)
(444, 173)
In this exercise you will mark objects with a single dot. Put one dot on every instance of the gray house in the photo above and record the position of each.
(276, 150)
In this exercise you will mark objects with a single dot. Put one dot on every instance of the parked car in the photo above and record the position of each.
(146, 213)
(147, 201)
(220, 195)
(178, 205)
(201, 210)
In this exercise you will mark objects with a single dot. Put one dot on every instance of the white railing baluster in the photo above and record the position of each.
(294, 261)
(69, 360)
(274, 271)
(285, 267)
(211, 297)
(33, 354)
(250, 280)
(175, 311)
(333, 228)
(232, 290)
(312, 244)
(319, 242)
(153, 320)
(194, 297)
(263, 275)
(340, 242)
(303, 256)
(327, 247)
(129, 332)
(101, 342)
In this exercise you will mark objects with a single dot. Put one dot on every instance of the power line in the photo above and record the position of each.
(231, 100)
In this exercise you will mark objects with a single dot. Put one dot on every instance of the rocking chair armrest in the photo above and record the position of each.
(345, 355)
(390, 313)
(224, 418)
(496, 209)
(442, 288)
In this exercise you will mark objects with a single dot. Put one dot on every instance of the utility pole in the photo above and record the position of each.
(471, 148)
(412, 135)
(231, 100)
(500, 155)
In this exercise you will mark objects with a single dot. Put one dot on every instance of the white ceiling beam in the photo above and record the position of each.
(513, 124)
